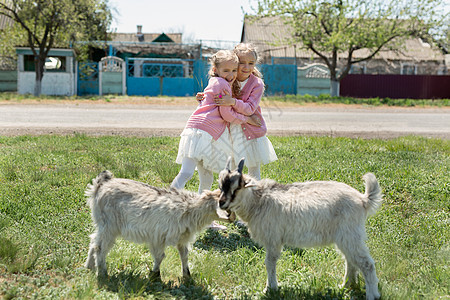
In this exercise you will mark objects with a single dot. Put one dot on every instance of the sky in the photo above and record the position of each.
(195, 19)
(206, 20)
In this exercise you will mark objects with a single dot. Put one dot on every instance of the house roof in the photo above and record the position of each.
(163, 38)
(5, 22)
(185, 51)
(52, 52)
(154, 45)
(270, 34)
(146, 37)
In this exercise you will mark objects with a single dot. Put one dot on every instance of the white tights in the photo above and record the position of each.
(188, 165)
(255, 172)
(206, 177)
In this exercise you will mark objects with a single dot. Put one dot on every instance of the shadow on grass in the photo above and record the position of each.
(226, 241)
(311, 294)
(231, 241)
(129, 284)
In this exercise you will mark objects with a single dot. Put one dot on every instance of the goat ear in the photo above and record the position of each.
(228, 165)
(241, 165)
(222, 214)
(249, 183)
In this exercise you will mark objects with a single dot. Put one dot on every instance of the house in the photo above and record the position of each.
(8, 64)
(139, 36)
(5, 22)
(291, 69)
(60, 76)
(416, 57)
(7, 60)
(151, 45)
(155, 64)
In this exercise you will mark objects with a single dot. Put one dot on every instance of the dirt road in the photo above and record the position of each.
(162, 117)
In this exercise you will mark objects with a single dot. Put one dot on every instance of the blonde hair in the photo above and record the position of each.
(244, 48)
(220, 57)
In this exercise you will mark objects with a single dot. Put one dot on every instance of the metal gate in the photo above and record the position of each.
(280, 79)
(88, 78)
(112, 76)
(165, 76)
(313, 80)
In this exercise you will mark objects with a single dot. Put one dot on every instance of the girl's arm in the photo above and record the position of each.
(249, 106)
(243, 107)
(229, 115)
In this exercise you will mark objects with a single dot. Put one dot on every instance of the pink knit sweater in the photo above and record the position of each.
(250, 97)
(212, 118)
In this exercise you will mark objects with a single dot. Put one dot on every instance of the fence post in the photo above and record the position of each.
(100, 75)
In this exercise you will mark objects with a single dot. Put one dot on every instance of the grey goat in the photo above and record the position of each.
(145, 214)
(305, 214)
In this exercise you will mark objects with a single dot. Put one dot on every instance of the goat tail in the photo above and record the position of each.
(93, 188)
(372, 194)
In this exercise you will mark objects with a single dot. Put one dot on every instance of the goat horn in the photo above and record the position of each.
(228, 165)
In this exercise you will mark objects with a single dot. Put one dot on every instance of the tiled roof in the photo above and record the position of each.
(164, 49)
(144, 37)
(270, 36)
(5, 21)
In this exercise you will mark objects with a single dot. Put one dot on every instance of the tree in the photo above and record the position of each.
(443, 40)
(56, 23)
(337, 28)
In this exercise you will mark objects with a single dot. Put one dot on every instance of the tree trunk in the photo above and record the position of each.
(39, 67)
(37, 87)
(334, 88)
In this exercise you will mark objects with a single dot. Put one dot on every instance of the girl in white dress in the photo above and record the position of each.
(247, 140)
(205, 142)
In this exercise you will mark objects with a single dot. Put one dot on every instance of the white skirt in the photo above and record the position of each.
(256, 152)
(199, 145)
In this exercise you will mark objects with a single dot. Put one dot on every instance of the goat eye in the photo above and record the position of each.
(233, 195)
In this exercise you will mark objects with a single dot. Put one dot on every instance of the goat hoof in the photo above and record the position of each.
(187, 274)
(269, 289)
(101, 275)
(155, 275)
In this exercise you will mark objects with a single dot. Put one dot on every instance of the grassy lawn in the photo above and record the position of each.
(45, 222)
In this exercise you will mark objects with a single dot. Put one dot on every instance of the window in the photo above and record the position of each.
(52, 64)
(359, 68)
(409, 69)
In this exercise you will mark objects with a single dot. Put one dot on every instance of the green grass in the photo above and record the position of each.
(45, 222)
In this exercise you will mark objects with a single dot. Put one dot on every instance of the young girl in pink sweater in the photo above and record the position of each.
(205, 142)
(247, 140)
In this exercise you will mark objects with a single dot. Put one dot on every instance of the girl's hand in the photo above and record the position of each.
(200, 97)
(224, 99)
(254, 120)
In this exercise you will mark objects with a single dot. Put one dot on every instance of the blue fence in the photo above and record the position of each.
(179, 77)
(170, 77)
(280, 79)
(88, 83)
